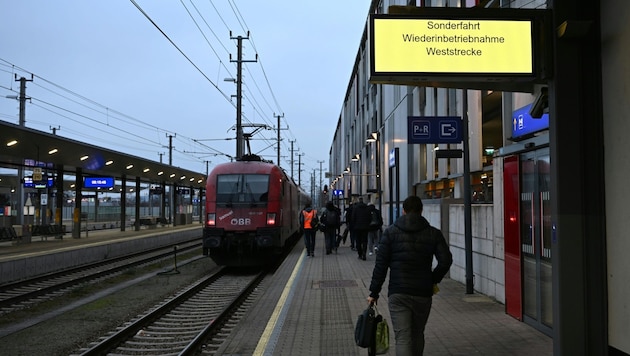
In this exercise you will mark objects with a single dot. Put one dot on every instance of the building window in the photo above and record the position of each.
(481, 186)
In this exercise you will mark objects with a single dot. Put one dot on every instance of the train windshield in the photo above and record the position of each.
(242, 189)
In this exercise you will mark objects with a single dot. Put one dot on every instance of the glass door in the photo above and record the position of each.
(535, 217)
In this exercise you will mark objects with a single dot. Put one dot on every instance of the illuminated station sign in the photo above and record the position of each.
(98, 182)
(447, 45)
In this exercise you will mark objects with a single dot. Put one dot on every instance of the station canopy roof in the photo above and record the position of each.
(22, 146)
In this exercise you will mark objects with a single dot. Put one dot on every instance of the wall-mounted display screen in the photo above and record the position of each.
(98, 182)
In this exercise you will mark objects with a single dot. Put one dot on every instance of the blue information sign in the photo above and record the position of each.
(98, 182)
(434, 129)
(523, 124)
(46, 182)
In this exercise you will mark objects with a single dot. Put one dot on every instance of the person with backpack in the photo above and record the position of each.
(350, 227)
(309, 221)
(331, 218)
(343, 236)
(361, 219)
(375, 229)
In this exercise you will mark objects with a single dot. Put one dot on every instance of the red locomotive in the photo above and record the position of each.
(252, 209)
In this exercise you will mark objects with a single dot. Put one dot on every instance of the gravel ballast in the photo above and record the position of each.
(68, 332)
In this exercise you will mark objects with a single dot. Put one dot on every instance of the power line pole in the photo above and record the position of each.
(292, 141)
(171, 196)
(320, 172)
(23, 98)
(278, 117)
(20, 186)
(313, 192)
(170, 148)
(239, 97)
(300, 169)
(319, 188)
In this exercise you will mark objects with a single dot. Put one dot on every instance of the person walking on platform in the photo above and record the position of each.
(350, 227)
(308, 222)
(407, 248)
(361, 219)
(331, 218)
(374, 235)
(343, 236)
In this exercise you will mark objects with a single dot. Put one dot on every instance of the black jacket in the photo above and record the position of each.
(374, 211)
(361, 216)
(329, 224)
(349, 216)
(407, 249)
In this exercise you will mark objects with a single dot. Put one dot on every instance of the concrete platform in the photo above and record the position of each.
(24, 260)
(311, 305)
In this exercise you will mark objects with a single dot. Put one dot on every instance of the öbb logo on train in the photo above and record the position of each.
(241, 221)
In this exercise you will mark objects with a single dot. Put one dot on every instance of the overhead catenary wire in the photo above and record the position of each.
(245, 28)
(242, 22)
(144, 143)
(260, 100)
(181, 51)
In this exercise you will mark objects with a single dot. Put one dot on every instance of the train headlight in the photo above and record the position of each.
(271, 218)
(211, 219)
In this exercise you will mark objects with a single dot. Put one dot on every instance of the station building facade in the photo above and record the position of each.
(521, 191)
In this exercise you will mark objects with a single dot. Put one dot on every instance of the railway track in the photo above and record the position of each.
(27, 293)
(195, 319)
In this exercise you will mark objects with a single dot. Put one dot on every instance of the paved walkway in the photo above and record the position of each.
(473, 324)
(328, 292)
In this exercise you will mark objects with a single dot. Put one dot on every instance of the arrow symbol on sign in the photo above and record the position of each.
(448, 130)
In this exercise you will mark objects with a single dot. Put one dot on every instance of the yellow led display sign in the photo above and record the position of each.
(475, 46)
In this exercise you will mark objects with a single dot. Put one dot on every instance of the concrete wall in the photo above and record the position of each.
(77, 255)
(488, 260)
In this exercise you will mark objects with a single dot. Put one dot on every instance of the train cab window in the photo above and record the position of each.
(242, 189)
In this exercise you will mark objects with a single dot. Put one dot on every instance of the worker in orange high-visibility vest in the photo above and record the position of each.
(308, 222)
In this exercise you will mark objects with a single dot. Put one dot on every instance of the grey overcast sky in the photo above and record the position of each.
(105, 74)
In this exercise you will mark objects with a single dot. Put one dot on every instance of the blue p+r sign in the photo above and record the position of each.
(434, 129)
